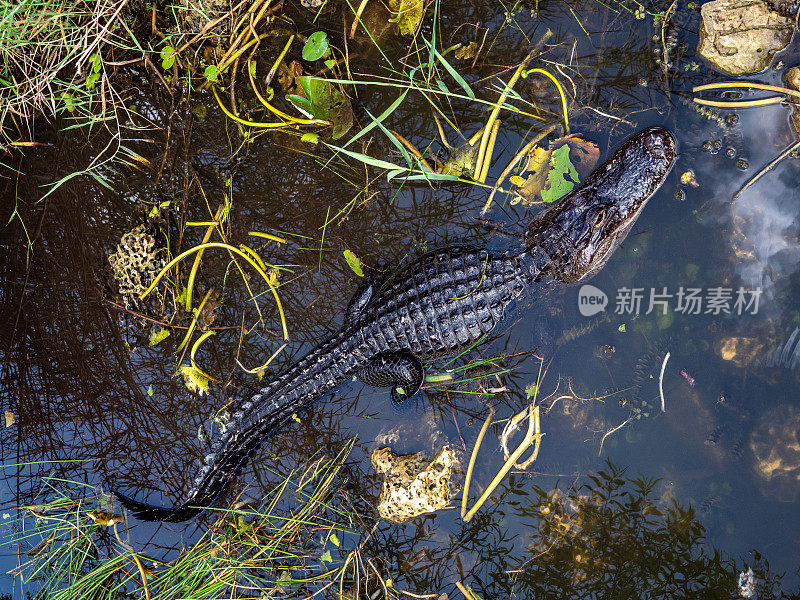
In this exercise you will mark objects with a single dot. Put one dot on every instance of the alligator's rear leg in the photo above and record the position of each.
(402, 371)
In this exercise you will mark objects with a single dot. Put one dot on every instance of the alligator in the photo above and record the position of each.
(440, 303)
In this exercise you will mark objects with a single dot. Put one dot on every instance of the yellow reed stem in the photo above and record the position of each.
(741, 103)
(267, 236)
(225, 64)
(511, 165)
(195, 347)
(199, 257)
(193, 324)
(561, 94)
(263, 367)
(496, 110)
(279, 112)
(279, 60)
(234, 250)
(524, 445)
(471, 465)
(745, 84)
(254, 255)
(489, 152)
(230, 115)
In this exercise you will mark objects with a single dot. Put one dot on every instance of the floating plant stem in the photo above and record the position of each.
(745, 84)
(234, 250)
(230, 115)
(192, 354)
(489, 152)
(767, 169)
(561, 94)
(199, 257)
(741, 103)
(267, 236)
(533, 434)
(501, 101)
(193, 324)
(471, 465)
(661, 382)
(510, 167)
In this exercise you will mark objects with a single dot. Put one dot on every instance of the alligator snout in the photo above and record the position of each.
(660, 144)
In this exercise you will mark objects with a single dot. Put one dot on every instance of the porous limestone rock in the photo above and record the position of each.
(413, 486)
(740, 36)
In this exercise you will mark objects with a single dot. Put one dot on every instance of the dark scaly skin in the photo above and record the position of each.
(443, 302)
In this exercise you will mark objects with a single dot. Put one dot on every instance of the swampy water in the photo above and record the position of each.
(95, 403)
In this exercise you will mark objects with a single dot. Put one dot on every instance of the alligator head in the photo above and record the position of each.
(579, 234)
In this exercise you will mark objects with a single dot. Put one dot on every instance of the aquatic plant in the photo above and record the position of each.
(72, 544)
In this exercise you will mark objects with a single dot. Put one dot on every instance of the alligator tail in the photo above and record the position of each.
(150, 512)
(290, 393)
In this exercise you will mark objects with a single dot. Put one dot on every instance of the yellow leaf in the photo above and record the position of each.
(158, 335)
(11, 418)
(536, 175)
(103, 518)
(195, 380)
(409, 14)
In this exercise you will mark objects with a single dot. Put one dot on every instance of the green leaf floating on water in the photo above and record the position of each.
(316, 46)
(211, 73)
(167, 55)
(354, 262)
(561, 178)
(550, 173)
(324, 101)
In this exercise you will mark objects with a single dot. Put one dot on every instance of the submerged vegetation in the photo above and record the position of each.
(609, 537)
(75, 546)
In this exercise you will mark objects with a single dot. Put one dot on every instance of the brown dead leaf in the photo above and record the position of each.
(536, 167)
(209, 312)
(466, 52)
(583, 153)
(287, 75)
(533, 178)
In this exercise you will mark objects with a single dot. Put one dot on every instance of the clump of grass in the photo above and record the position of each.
(72, 545)
(56, 63)
(51, 55)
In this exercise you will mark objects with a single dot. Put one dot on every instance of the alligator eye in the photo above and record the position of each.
(599, 218)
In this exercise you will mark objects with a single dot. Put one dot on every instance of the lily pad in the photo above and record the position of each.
(324, 101)
(316, 46)
(561, 177)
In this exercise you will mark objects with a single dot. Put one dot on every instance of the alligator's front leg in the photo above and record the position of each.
(365, 292)
(402, 371)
